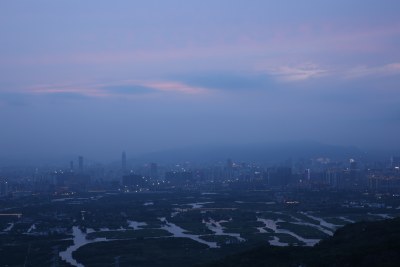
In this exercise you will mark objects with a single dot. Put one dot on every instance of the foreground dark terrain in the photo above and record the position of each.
(358, 244)
(177, 228)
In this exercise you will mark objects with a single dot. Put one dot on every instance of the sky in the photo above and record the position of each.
(98, 77)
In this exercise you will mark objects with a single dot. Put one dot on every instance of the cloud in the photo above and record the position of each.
(153, 86)
(376, 71)
(311, 71)
(173, 86)
(65, 95)
(128, 89)
(66, 89)
(297, 73)
(229, 81)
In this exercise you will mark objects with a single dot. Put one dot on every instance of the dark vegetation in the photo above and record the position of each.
(358, 244)
(18, 250)
(361, 244)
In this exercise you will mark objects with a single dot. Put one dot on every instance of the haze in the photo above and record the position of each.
(97, 77)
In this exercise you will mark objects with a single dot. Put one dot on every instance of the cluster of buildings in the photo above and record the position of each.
(320, 173)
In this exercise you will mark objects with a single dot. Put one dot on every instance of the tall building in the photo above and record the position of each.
(3, 187)
(308, 175)
(353, 164)
(153, 171)
(229, 169)
(279, 176)
(395, 162)
(133, 180)
(123, 162)
(80, 163)
(354, 173)
(333, 177)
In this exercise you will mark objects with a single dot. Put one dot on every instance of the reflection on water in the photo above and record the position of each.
(136, 225)
(277, 243)
(198, 205)
(80, 240)
(218, 229)
(32, 228)
(381, 215)
(79, 237)
(272, 224)
(322, 221)
(9, 227)
(180, 232)
(346, 219)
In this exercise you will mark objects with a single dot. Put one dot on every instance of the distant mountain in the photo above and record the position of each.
(364, 244)
(267, 152)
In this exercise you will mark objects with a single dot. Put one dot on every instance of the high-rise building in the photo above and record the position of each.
(279, 176)
(3, 187)
(395, 162)
(229, 169)
(353, 164)
(133, 180)
(333, 177)
(308, 175)
(123, 162)
(153, 171)
(80, 163)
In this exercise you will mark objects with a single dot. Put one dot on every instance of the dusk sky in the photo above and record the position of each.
(97, 77)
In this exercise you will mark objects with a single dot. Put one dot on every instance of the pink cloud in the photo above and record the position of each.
(97, 89)
(175, 87)
(90, 90)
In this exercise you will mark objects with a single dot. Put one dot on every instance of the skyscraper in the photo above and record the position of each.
(123, 162)
(80, 163)
(3, 187)
(229, 169)
(395, 162)
(153, 171)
